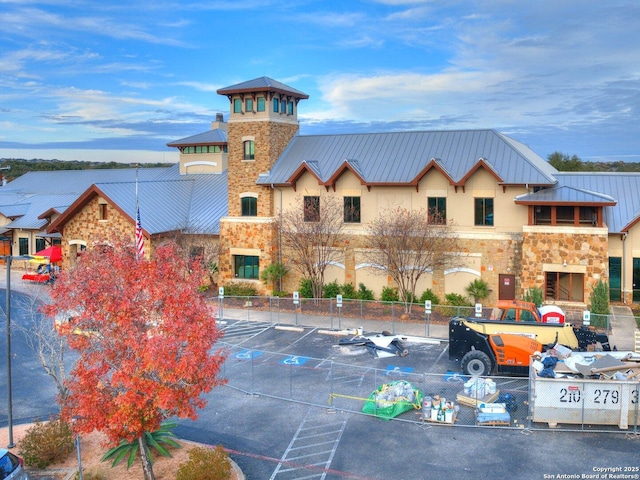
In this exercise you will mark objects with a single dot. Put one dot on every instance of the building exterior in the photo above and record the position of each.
(519, 222)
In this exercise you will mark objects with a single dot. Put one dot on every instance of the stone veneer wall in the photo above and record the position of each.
(261, 235)
(584, 253)
(270, 141)
(85, 225)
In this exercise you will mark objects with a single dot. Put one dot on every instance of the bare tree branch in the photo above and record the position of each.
(311, 232)
(407, 244)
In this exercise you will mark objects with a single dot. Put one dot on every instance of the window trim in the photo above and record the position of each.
(252, 204)
(240, 265)
(437, 214)
(251, 154)
(352, 213)
(311, 212)
(482, 221)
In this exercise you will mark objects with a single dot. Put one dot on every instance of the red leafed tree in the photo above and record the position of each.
(144, 334)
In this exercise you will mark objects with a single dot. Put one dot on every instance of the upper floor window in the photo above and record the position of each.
(237, 105)
(260, 104)
(311, 209)
(249, 206)
(566, 215)
(248, 105)
(204, 149)
(351, 209)
(276, 105)
(103, 211)
(437, 210)
(483, 212)
(249, 153)
(283, 106)
(290, 108)
(246, 266)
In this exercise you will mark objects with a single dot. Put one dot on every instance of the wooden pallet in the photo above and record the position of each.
(473, 402)
(495, 423)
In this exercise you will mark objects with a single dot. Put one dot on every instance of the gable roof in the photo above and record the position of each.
(398, 158)
(188, 203)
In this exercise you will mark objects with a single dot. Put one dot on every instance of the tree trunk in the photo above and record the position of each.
(147, 468)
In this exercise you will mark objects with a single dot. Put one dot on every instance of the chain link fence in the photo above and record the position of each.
(529, 403)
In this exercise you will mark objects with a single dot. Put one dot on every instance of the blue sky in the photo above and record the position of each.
(117, 80)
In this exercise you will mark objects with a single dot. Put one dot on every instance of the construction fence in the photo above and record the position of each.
(526, 403)
(351, 313)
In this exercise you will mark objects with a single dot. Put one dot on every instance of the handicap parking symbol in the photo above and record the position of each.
(248, 354)
(393, 370)
(294, 360)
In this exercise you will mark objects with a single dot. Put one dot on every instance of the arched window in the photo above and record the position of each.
(249, 153)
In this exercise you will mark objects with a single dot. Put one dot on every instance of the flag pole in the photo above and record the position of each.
(138, 234)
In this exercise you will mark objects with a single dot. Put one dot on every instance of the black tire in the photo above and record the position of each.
(387, 333)
(476, 363)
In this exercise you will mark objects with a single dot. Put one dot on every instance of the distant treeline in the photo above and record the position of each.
(14, 167)
(565, 163)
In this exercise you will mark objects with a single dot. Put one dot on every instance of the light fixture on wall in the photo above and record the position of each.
(564, 263)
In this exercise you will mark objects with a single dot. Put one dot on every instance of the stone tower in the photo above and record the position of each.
(262, 121)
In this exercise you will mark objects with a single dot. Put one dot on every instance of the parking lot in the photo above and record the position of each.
(292, 410)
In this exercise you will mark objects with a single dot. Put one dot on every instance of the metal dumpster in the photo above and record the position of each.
(583, 401)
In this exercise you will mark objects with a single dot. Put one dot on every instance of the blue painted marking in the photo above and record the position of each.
(294, 360)
(398, 370)
(248, 354)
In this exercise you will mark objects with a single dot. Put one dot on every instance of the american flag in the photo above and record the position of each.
(139, 237)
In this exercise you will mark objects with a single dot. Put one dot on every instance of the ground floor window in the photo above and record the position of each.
(563, 286)
(615, 279)
(246, 266)
(40, 244)
(636, 279)
(23, 246)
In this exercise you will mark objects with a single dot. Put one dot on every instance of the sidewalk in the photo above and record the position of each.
(623, 327)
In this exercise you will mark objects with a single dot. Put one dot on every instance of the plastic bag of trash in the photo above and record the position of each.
(391, 399)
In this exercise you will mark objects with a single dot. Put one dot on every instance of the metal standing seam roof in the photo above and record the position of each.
(398, 157)
(193, 203)
(36, 206)
(75, 181)
(261, 84)
(563, 194)
(210, 137)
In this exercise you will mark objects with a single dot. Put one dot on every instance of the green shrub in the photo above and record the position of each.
(478, 290)
(600, 298)
(205, 464)
(305, 289)
(364, 293)
(389, 294)
(47, 443)
(278, 293)
(457, 300)
(534, 295)
(330, 290)
(348, 291)
(429, 295)
(241, 289)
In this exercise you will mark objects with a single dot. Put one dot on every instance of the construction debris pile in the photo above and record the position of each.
(561, 362)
